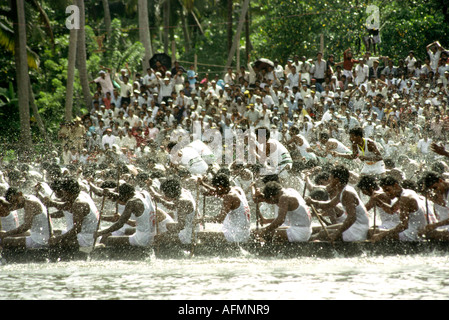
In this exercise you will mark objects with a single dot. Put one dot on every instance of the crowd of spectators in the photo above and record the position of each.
(401, 104)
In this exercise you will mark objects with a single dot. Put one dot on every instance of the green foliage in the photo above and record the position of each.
(294, 27)
(8, 108)
(411, 25)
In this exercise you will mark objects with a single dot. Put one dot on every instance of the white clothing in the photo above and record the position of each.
(359, 229)
(417, 220)
(371, 167)
(10, 222)
(144, 234)
(89, 223)
(442, 213)
(303, 149)
(236, 225)
(362, 74)
(203, 149)
(191, 160)
(388, 221)
(279, 159)
(106, 84)
(299, 220)
(186, 234)
(424, 146)
(341, 148)
(39, 231)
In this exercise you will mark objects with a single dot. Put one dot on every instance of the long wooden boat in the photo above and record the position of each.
(213, 249)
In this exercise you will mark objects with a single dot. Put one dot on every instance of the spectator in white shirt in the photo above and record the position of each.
(434, 51)
(166, 86)
(361, 72)
(293, 77)
(278, 70)
(105, 82)
(319, 71)
(410, 61)
(125, 89)
(108, 138)
(229, 77)
(424, 144)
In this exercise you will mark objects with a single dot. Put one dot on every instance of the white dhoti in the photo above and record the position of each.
(373, 168)
(299, 234)
(357, 232)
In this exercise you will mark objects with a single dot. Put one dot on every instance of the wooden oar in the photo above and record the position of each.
(257, 215)
(204, 210)
(193, 240)
(157, 228)
(322, 225)
(50, 229)
(155, 218)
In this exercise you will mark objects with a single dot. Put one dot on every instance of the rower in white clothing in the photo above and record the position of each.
(35, 221)
(81, 215)
(183, 204)
(383, 220)
(327, 146)
(188, 158)
(412, 212)
(293, 222)
(235, 213)
(366, 150)
(438, 192)
(204, 150)
(11, 219)
(273, 154)
(136, 208)
(301, 144)
(356, 225)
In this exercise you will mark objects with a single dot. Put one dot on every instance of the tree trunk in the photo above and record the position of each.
(166, 16)
(230, 7)
(22, 79)
(247, 33)
(40, 123)
(185, 29)
(107, 18)
(71, 74)
(144, 33)
(81, 57)
(237, 34)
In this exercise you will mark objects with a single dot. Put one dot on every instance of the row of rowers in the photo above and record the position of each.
(165, 210)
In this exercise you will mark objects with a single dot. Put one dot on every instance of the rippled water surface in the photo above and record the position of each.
(237, 278)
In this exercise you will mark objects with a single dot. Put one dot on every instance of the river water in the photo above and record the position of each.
(243, 277)
(232, 278)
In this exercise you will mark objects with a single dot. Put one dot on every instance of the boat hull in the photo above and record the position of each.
(255, 249)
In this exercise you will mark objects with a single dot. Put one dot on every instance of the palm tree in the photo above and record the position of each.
(71, 73)
(144, 33)
(166, 19)
(229, 23)
(13, 39)
(18, 7)
(107, 17)
(82, 56)
(7, 42)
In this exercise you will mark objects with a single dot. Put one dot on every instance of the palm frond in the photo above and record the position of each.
(8, 43)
